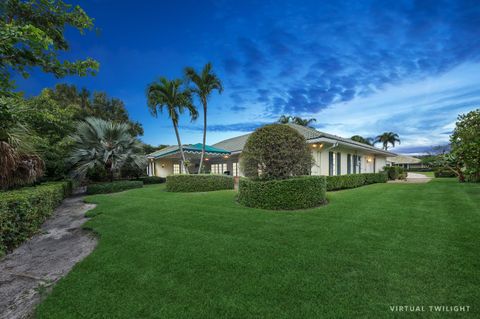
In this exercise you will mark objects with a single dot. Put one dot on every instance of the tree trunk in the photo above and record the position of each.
(204, 135)
(180, 147)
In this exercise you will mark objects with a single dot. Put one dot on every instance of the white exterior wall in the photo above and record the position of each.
(321, 161)
(167, 168)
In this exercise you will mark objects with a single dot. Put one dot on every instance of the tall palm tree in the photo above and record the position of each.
(303, 122)
(205, 82)
(387, 138)
(284, 119)
(361, 139)
(107, 144)
(170, 95)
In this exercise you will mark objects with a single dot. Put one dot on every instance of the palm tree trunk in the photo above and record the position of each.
(180, 147)
(204, 135)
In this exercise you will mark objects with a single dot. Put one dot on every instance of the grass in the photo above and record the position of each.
(201, 255)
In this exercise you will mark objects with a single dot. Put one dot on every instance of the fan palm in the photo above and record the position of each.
(19, 163)
(169, 94)
(205, 82)
(361, 139)
(100, 143)
(303, 122)
(387, 138)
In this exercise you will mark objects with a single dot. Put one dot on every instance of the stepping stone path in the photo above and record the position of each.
(28, 273)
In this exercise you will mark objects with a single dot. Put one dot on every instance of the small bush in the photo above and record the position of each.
(275, 151)
(152, 180)
(354, 180)
(395, 172)
(284, 194)
(113, 187)
(198, 183)
(444, 172)
(24, 210)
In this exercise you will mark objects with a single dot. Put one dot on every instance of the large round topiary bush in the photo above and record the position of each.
(284, 194)
(275, 151)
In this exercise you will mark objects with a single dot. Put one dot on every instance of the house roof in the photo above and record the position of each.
(236, 144)
(195, 148)
(403, 159)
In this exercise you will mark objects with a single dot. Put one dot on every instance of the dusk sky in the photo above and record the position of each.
(358, 67)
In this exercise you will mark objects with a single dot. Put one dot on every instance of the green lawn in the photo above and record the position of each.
(201, 255)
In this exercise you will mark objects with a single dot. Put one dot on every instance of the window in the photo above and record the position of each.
(236, 171)
(349, 164)
(359, 164)
(332, 163)
(355, 162)
(339, 163)
(176, 169)
(218, 168)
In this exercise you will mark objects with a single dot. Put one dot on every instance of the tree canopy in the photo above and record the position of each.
(465, 143)
(32, 34)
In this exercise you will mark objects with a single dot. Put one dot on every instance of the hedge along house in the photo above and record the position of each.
(332, 155)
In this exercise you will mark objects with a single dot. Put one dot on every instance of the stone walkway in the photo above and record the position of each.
(413, 178)
(30, 271)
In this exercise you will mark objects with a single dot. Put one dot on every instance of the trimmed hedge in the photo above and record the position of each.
(152, 180)
(354, 180)
(24, 210)
(112, 187)
(444, 172)
(198, 183)
(285, 194)
(395, 172)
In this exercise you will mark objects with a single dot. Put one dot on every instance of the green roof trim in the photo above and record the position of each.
(195, 148)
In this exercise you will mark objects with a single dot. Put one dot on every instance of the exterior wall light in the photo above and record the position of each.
(163, 165)
(314, 145)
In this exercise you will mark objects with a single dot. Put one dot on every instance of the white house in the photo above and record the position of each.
(333, 155)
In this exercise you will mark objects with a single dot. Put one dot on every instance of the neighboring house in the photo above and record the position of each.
(333, 155)
(407, 162)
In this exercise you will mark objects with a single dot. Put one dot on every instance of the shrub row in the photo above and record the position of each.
(395, 172)
(285, 194)
(24, 210)
(198, 183)
(444, 172)
(354, 180)
(152, 180)
(112, 187)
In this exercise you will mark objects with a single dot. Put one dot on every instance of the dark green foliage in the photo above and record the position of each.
(285, 194)
(354, 180)
(198, 183)
(275, 151)
(113, 187)
(24, 210)
(395, 172)
(465, 142)
(152, 180)
(444, 172)
(33, 35)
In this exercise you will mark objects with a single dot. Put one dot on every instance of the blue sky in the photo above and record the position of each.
(358, 67)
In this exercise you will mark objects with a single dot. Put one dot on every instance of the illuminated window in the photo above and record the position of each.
(236, 171)
(176, 169)
(218, 168)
